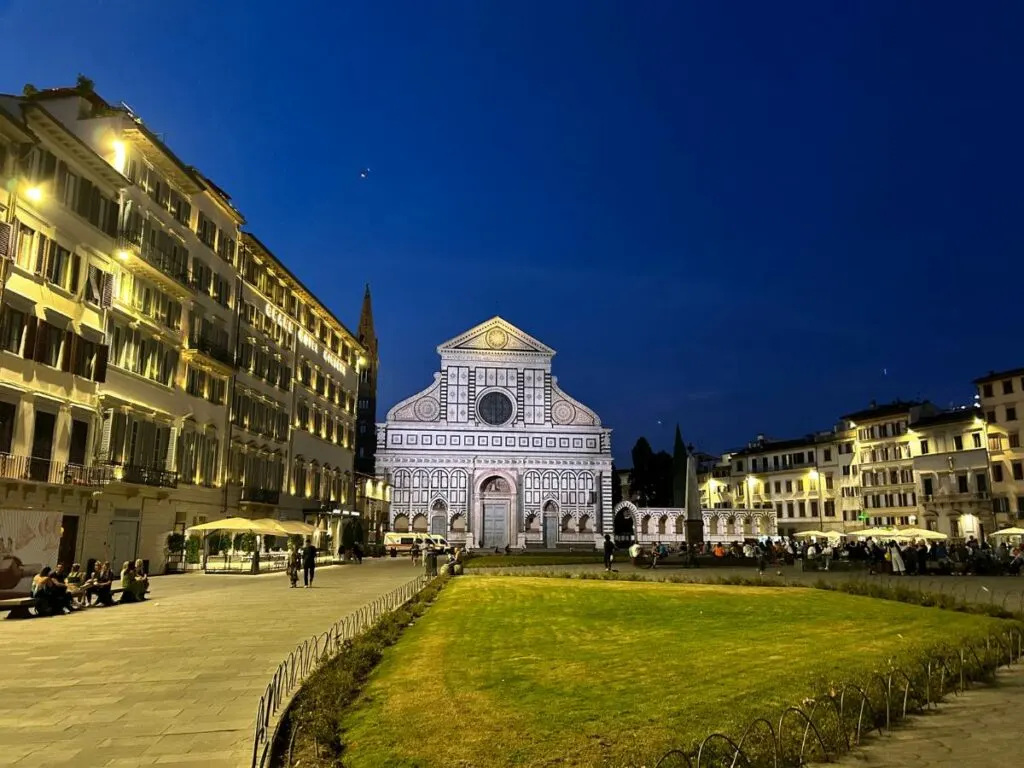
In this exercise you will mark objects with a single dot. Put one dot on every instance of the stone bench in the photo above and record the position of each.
(20, 607)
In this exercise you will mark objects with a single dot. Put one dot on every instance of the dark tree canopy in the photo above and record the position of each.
(642, 477)
(616, 486)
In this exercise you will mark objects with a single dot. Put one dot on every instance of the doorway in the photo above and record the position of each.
(68, 540)
(495, 533)
(438, 518)
(624, 527)
(79, 442)
(124, 540)
(42, 446)
(550, 525)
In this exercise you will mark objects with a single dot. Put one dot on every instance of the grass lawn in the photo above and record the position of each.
(505, 561)
(540, 672)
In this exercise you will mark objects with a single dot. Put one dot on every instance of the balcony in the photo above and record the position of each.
(966, 497)
(37, 470)
(161, 261)
(260, 495)
(133, 474)
(215, 349)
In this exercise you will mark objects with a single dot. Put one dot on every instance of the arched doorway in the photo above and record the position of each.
(496, 502)
(624, 525)
(550, 525)
(438, 518)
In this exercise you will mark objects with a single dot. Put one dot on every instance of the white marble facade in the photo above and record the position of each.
(494, 453)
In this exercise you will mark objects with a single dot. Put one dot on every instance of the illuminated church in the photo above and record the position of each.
(494, 452)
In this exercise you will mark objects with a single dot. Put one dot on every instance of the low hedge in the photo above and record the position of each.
(310, 732)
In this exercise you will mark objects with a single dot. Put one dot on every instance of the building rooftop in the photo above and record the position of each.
(885, 410)
(773, 446)
(996, 375)
(960, 415)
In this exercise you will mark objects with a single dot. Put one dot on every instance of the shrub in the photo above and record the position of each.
(323, 698)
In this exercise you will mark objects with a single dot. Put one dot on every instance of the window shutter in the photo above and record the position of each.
(42, 253)
(94, 206)
(6, 240)
(106, 290)
(42, 334)
(84, 201)
(104, 450)
(76, 267)
(60, 185)
(68, 351)
(100, 373)
(31, 330)
(113, 217)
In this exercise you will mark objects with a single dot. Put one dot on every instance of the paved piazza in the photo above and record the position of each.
(175, 680)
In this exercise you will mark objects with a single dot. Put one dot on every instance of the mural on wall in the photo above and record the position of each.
(29, 539)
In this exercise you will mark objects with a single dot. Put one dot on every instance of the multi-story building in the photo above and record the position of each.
(295, 395)
(158, 367)
(951, 469)
(885, 460)
(801, 479)
(1001, 397)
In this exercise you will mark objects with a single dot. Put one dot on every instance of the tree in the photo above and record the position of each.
(642, 482)
(662, 480)
(680, 457)
(616, 486)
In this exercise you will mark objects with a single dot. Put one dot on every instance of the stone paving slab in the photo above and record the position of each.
(172, 681)
(978, 729)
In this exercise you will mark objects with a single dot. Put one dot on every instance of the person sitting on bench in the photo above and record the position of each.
(141, 579)
(61, 593)
(77, 586)
(130, 584)
(101, 585)
(42, 590)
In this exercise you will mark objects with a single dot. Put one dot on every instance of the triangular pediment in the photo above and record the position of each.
(494, 337)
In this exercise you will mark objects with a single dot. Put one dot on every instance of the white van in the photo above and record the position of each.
(402, 542)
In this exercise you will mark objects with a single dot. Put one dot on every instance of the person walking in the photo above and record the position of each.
(609, 552)
(293, 566)
(896, 559)
(308, 563)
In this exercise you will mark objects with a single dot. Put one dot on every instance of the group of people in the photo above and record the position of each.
(58, 590)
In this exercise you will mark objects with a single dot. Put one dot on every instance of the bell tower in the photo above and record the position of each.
(366, 403)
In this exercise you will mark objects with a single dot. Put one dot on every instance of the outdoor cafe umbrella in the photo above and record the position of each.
(227, 524)
(818, 534)
(1009, 532)
(296, 527)
(877, 533)
(920, 533)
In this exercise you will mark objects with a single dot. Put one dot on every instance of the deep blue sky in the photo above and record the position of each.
(733, 215)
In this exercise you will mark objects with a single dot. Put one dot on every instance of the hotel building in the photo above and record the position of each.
(159, 367)
(1001, 399)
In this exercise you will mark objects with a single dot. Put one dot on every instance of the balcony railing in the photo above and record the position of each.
(138, 475)
(157, 258)
(260, 495)
(38, 470)
(955, 498)
(214, 348)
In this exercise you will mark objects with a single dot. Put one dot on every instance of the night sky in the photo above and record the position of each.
(742, 216)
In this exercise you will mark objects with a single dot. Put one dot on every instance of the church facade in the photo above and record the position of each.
(494, 453)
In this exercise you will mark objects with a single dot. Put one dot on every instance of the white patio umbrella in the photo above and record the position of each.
(818, 535)
(1009, 532)
(920, 533)
(876, 533)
